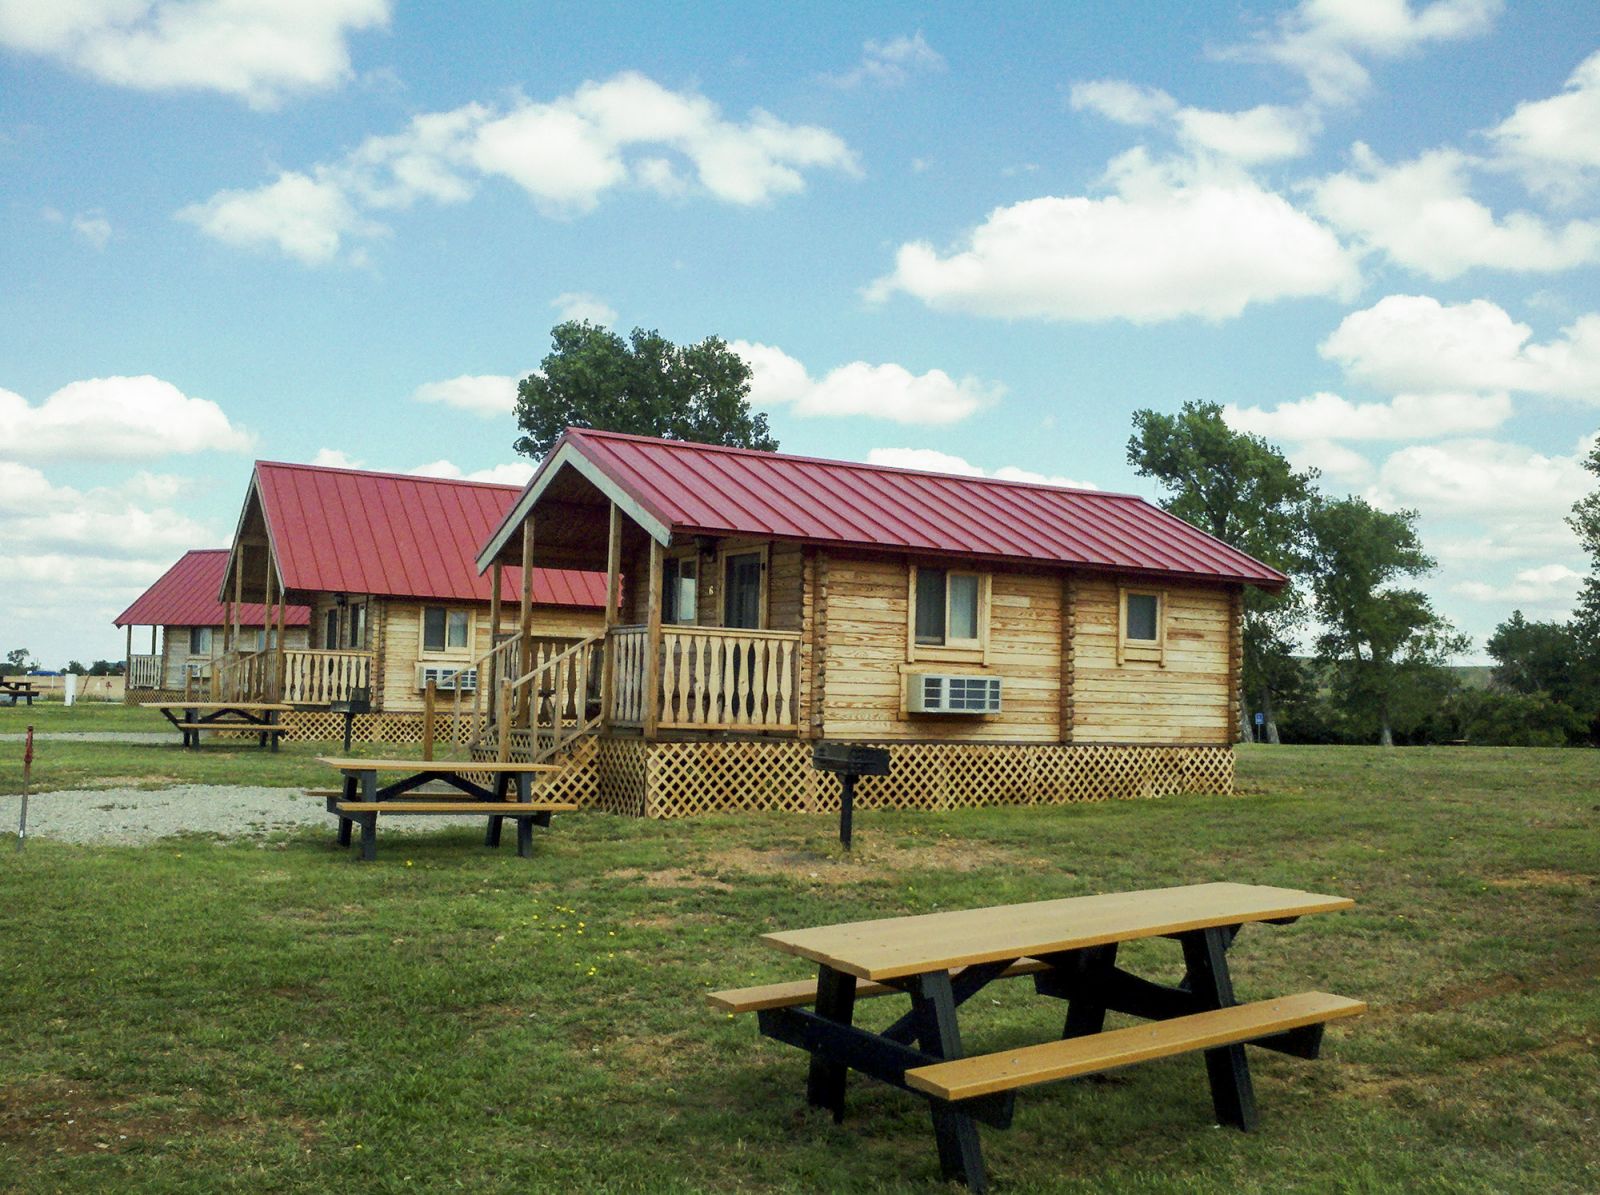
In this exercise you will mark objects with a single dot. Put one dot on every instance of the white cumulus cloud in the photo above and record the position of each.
(891, 63)
(511, 473)
(1163, 247)
(566, 154)
(886, 391)
(1546, 585)
(1554, 143)
(115, 418)
(578, 305)
(258, 50)
(1329, 417)
(485, 395)
(1265, 133)
(930, 460)
(1416, 343)
(1420, 215)
(1479, 477)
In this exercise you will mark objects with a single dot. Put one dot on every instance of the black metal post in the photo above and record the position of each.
(847, 800)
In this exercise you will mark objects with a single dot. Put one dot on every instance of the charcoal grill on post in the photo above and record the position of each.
(847, 761)
(359, 702)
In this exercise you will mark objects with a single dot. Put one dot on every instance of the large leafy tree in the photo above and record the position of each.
(1585, 520)
(645, 385)
(1382, 641)
(1242, 490)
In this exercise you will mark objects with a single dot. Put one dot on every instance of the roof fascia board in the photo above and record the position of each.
(253, 491)
(567, 454)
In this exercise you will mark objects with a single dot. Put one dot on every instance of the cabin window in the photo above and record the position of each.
(330, 629)
(743, 588)
(680, 586)
(948, 608)
(445, 630)
(357, 627)
(199, 641)
(1144, 618)
(1141, 626)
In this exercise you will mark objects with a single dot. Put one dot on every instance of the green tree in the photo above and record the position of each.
(75, 668)
(1554, 660)
(1585, 520)
(19, 660)
(645, 385)
(1242, 490)
(1381, 640)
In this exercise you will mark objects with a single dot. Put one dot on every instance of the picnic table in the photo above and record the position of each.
(509, 794)
(193, 718)
(15, 689)
(1068, 948)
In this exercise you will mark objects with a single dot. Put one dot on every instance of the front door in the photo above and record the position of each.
(741, 590)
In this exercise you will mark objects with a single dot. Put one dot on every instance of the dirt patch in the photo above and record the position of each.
(1492, 987)
(671, 877)
(1365, 1088)
(870, 861)
(41, 1116)
(1540, 877)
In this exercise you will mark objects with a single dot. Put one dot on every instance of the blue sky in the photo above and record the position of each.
(339, 230)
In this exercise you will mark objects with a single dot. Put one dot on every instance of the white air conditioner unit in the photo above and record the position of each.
(927, 693)
(444, 677)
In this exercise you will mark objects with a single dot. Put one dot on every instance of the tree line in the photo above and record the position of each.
(1376, 671)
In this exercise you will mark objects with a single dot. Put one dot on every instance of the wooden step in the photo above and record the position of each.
(1006, 1070)
(495, 808)
(804, 991)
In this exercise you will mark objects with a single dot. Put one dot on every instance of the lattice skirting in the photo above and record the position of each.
(140, 696)
(682, 779)
(376, 728)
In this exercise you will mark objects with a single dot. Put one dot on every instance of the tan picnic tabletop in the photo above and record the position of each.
(345, 764)
(895, 947)
(253, 706)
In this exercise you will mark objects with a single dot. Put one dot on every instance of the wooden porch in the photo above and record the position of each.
(294, 676)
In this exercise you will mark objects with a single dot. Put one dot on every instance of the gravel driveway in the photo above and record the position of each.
(132, 815)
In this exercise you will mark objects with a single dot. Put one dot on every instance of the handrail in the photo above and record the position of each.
(319, 675)
(144, 672)
(711, 678)
(555, 694)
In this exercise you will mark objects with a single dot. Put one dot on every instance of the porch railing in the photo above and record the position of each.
(318, 677)
(144, 672)
(711, 678)
(242, 676)
(481, 706)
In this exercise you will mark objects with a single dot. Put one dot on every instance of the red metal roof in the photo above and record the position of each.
(351, 531)
(186, 596)
(701, 488)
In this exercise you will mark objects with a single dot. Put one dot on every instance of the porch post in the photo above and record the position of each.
(496, 578)
(238, 597)
(266, 628)
(127, 664)
(282, 670)
(525, 625)
(613, 593)
(652, 649)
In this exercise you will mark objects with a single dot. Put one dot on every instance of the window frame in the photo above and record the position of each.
(1149, 651)
(673, 565)
(210, 638)
(355, 630)
(950, 649)
(446, 651)
(724, 554)
(330, 629)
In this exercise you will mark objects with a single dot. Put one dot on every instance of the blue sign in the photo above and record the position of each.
(1260, 718)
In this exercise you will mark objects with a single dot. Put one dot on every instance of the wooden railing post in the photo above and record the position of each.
(652, 635)
(429, 697)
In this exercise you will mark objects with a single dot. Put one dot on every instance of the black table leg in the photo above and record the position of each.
(836, 1000)
(369, 836)
(1086, 1009)
(960, 1154)
(1205, 955)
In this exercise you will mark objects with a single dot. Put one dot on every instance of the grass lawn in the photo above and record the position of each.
(68, 764)
(196, 1016)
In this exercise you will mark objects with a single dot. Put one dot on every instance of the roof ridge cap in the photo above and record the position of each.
(492, 485)
(700, 446)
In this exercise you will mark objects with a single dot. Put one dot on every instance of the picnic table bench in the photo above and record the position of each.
(362, 799)
(193, 718)
(1068, 948)
(15, 689)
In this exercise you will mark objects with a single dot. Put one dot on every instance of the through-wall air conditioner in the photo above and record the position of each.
(927, 693)
(444, 677)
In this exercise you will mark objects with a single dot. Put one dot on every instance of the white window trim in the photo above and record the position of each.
(692, 553)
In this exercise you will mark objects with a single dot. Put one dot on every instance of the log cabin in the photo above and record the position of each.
(1007, 642)
(383, 562)
(182, 607)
